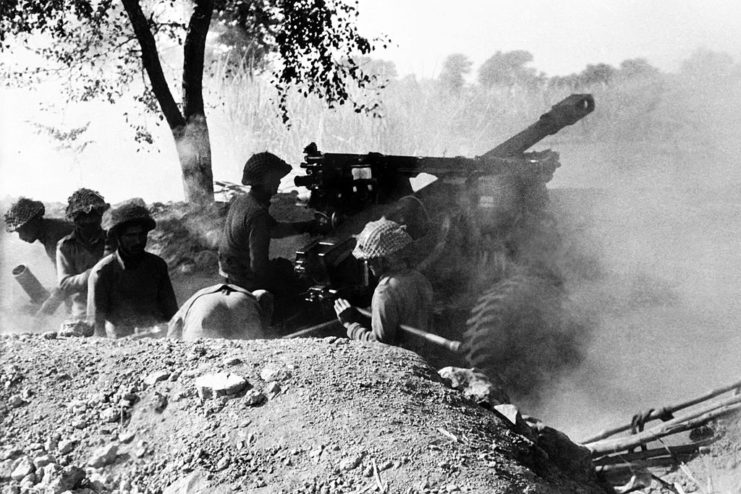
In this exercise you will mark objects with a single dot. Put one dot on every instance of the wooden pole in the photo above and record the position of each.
(701, 417)
(683, 449)
(312, 329)
(452, 345)
(670, 409)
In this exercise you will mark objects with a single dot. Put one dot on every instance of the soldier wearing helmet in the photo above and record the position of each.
(402, 296)
(129, 288)
(26, 217)
(81, 249)
(245, 241)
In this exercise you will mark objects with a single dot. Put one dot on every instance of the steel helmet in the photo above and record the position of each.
(261, 164)
(85, 201)
(21, 212)
(131, 211)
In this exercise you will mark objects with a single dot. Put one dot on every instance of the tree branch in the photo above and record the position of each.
(151, 63)
(195, 45)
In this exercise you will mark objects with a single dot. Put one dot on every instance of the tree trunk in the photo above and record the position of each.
(194, 151)
(188, 128)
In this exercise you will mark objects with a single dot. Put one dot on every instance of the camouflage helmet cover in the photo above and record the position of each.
(131, 211)
(85, 201)
(21, 212)
(381, 238)
(260, 164)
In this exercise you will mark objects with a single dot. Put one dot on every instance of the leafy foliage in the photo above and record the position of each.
(507, 68)
(454, 68)
(91, 46)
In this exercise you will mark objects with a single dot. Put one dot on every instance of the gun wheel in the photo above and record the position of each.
(519, 333)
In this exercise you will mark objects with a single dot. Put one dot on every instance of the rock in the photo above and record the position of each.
(128, 400)
(219, 384)
(103, 456)
(110, 415)
(194, 483)
(28, 481)
(42, 461)
(12, 454)
(66, 480)
(272, 389)
(368, 471)
(222, 464)
(23, 468)
(509, 412)
(271, 373)
(51, 444)
(156, 377)
(572, 458)
(232, 361)
(67, 445)
(126, 436)
(159, 402)
(350, 462)
(48, 472)
(6, 469)
(16, 401)
(12, 489)
(253, 397)
(50, 335)
(475, 385)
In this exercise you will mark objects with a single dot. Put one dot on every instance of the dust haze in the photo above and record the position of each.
(651, 220)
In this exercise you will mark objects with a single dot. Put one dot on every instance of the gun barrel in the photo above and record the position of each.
(564, 113)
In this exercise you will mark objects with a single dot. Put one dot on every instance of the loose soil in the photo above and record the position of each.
(336, 413)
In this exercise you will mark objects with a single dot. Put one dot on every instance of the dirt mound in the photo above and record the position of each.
(304, 415)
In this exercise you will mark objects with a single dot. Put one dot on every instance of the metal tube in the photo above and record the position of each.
(30, 284)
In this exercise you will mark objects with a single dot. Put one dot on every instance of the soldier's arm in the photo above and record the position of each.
(260, 247)
(68, 280)
(98, 303)
(384, 315)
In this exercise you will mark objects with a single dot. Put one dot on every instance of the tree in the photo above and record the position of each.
(103, 45)
(454, 68)
(637, 68)
(600, 73)
(507, 69)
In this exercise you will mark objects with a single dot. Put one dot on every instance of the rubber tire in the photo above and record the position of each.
(518, 333)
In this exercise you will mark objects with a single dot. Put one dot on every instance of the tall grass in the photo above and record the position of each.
(653, 113)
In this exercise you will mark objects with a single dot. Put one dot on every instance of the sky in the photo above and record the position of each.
(563, 36)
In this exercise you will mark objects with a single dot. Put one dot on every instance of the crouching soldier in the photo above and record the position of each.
(403, 295)
(26, 217)
(223, 311)
(79, 251)
(130, 288)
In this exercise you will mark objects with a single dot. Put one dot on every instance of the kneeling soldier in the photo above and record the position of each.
(130, 288)
(403, 295)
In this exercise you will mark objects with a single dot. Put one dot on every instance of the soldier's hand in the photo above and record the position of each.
(321, 225)
(346, 313)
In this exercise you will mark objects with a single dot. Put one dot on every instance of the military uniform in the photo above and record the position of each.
(75, 257)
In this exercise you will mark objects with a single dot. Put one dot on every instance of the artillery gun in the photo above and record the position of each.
(483, 237)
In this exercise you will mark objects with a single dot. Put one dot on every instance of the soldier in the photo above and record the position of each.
(245, 241)
(130, 288)
(403, 295)
(26, 217)
(223, 311)
(81, 249)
